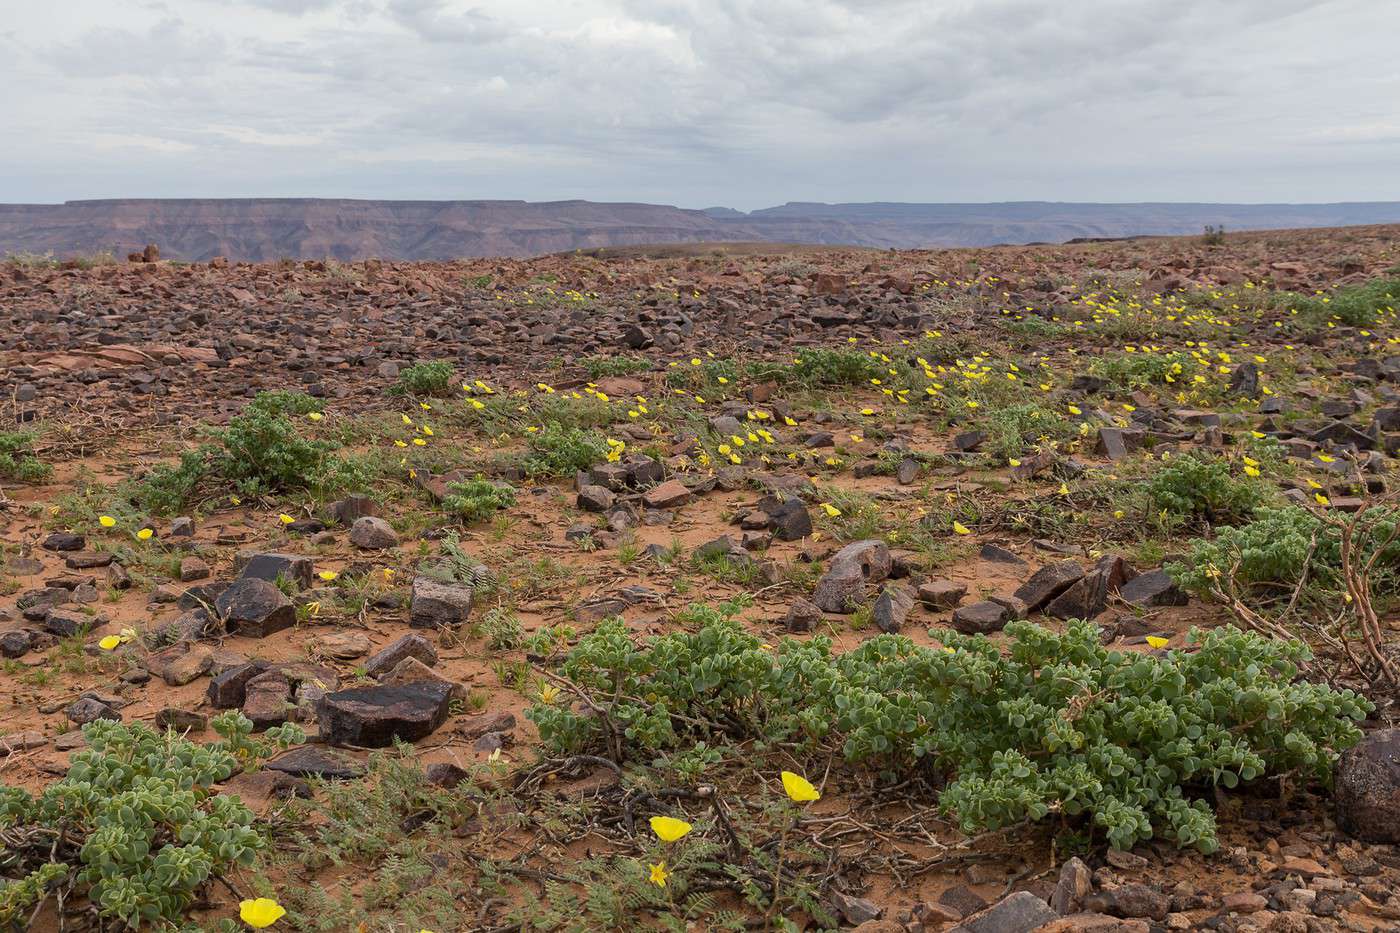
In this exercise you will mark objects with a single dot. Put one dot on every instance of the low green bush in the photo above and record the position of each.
(260, 451)
(1013, 429)
(18, 462)
(1271, 553)
(1354, 305)
(477, 499)
(1057, 724)
(560, 451)
(431, 377)
(1195, 488)
(822, 366)
(135, 825)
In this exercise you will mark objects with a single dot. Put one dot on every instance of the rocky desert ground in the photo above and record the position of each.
(705, 588)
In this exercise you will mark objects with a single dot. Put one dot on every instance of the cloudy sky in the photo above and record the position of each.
(745, 103)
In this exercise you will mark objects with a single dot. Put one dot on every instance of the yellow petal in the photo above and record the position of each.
(110, 642)
(1156, 641)
(668, 828)
(799, 789)
(259, 913)
(328, 575)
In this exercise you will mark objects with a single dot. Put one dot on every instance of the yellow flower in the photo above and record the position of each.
(106, 521)
(960, 528)
(314, 415)
(799, 789)
(1321, 499)
(145, 534)
(419, 442)
(328, 575)
(110, 643)
(1075, 410)
(867, 411)
(1012, 461)
(285, 519)
(1156, 641)
(1251, 471)
(1064, 489)
(658, 874)
(668, 828)
(406, 419)
(259, 913)
(548, 694)
(831, 510)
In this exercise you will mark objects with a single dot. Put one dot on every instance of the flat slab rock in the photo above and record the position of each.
(310, 761)
(373, 717)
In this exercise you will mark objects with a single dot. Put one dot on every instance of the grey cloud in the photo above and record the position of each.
(749, 102)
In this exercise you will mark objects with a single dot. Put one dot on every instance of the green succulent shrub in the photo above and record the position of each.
(431, 377)
(822, 366)
(1271, 553)
(1354, 305)
(1126, 371)
(1199, 489)
(1057, 724)
(135, 825)
(1014, 428)
(18, 462)
(260, 451)
(598, 367)
(477, 499)
(560, 451)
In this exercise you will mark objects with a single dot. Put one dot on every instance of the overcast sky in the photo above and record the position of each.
(746, 103)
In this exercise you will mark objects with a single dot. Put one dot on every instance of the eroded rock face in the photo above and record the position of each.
(1367, 788)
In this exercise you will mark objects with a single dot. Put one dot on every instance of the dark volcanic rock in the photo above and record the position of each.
(254, 607)
(1017, 913)
(373, 717)
(981, 618)
(1048, 582)
(373, 534)
(271, 566)
(229, 689)
(1153, 588)
(892, 608)
(406, 646)
(310, 761)
(1368, 788)
(438, 605)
